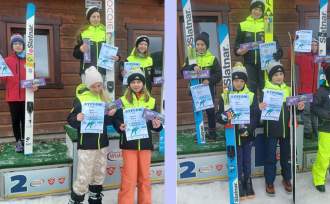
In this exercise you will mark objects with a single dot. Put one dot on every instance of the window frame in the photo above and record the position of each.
(9, 23)
(220, 13)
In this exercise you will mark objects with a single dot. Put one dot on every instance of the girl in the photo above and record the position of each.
(244, 133)
(252, 30)
(278, 131)
(207, 61)
(94, 30)
(321, 107)
(141, 55)
(92, 147)
(15, 95)
(136, 153)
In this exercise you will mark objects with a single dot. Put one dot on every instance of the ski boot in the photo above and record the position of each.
(76, 199)
(320, 188)
(270, 190)
(19, 148)
(241, 189)
(287, 186)
(249, 188)
(95, 195)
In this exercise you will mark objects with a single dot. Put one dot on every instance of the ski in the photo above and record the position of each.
(30, 63)
(191, 53)
(293, 120)
(322, 37)
(110, 39)
(269, 21)
(229, 129)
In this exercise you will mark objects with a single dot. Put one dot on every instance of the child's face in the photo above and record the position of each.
(95, 19)
(238, 84)
(136, 86)
(96, 87)
(200, 46)
(315, 47)
(256, 13)
(18, 47)
(278, 78)
(142, 47)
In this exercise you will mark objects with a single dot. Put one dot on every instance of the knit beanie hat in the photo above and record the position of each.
(91, 10)
(16, 38)
(314, 39)
(92, 76)
(203, 36)
(142, 38)
(274, 67)
(257, 4)
(239, 72)
(135, 74)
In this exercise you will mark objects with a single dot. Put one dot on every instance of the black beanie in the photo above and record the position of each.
(142, 38)
(274, 67)
(91, 10)
(257, 4)
(203, 36)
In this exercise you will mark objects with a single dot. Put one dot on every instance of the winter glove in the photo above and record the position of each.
(278, 54)
(243, 131)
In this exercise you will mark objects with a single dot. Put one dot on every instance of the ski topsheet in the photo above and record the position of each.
(229, 129)
(269, 21)
(30, 63)
(191, 53)
(110, 39)
(322, 36)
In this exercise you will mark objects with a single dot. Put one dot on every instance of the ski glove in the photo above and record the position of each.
(278, 54)
(243, 131)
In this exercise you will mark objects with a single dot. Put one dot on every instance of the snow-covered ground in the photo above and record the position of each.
(110, 197)
(213, 193)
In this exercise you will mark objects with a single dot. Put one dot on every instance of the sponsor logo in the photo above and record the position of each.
(37, 182)
(205, 169)
(114, 156)
(219, 167)
(61, 180)
(111, 170)
(51, 181)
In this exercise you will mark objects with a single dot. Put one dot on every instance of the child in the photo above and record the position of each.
(321, 107)
(307, 71)
(141, 55)
(244, 133)
(278, 131)
(252, 30)
(92, 147)
(15, 95)
(207, 61)
(94, 30)
(136, 153)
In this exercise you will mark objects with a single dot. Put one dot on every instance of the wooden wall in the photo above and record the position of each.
(53, 105)
(286, 20)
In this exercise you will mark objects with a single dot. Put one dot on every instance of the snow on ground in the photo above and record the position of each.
(213, 193)
(306, 192)
(217, 193)
(110, 197)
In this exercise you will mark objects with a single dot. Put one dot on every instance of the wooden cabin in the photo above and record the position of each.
(57, 23)
(289, 16)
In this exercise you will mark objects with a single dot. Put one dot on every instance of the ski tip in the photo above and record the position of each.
(223, 32)
(323, 3)
(31, 8)
(184, 2)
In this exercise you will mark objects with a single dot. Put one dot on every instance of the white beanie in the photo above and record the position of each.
(92, 76)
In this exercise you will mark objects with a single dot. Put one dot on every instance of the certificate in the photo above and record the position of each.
(93, 117)
(303, 41)
(267, 51)
(240, 104)
(274, 101)
(105, 57)
(136, 126)
(202, 97)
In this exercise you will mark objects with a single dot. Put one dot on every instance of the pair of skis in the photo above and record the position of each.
(227, 81)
